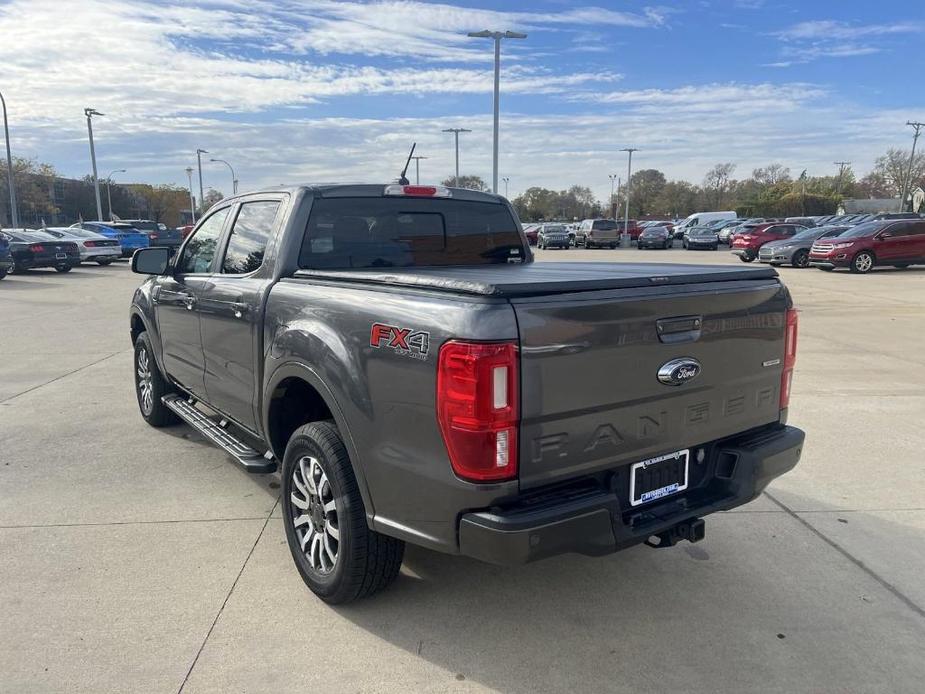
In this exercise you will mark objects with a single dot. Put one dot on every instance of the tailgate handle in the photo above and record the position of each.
(681, 329)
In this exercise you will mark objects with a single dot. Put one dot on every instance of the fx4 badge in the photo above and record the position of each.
(405, 341)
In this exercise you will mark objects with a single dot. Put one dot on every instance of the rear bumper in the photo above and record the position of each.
(744, 252)
(598, 521)
(101, 252)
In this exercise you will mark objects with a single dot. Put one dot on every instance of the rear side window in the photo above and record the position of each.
(249, 235)
(403, 232)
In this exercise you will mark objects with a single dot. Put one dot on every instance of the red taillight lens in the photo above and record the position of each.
(478, 393)
(90, 244)
(153, 237)
(790, 356)
(37, 248)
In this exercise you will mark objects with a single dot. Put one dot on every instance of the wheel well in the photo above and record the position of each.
(138, 327)
(293, 403)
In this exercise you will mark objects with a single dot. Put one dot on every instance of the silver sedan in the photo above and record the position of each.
(92, 246)
(795, 250)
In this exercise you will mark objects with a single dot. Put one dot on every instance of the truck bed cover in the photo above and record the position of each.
(529, 279)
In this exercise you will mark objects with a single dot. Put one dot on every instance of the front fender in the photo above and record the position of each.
(143, 308)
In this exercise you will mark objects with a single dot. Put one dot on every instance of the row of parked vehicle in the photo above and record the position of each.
(64, 248)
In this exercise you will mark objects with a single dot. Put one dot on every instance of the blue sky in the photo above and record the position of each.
(299, 90)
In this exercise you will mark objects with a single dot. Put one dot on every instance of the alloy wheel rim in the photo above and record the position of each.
(314, 515)
(864, 262)
(145, 385)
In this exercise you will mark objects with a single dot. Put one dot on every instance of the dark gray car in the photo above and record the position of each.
(795, 250)
(397, 355)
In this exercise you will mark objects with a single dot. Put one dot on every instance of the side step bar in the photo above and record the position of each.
(247, 457)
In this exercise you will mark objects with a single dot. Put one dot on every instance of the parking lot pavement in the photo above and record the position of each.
(141, 560)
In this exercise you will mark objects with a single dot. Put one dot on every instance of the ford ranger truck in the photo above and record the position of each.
(397, 355)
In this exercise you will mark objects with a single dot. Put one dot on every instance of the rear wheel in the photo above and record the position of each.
(151, 386)
(104, 261)
(338, 556)
(800, 259)
(862, 263)
(15, 268)
(63, 268)
(746, 257)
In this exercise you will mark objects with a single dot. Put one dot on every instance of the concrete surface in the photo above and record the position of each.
(136, 560)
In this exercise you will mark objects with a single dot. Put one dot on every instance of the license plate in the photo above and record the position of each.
(659, 477)
(61, 256)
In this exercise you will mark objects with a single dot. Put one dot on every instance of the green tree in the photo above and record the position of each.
(33, 181)
(645, 187)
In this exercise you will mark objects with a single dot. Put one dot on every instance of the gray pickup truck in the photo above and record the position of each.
(416, 377)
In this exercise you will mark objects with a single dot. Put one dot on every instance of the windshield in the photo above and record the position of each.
(818, 232)
(555, 229)
(347, 233)
(866, 229)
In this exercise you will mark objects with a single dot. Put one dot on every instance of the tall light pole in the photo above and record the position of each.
(907, 181)
(496, 36)
(613, 202)
(506, 180)
(234, 180)
(417, 169)
(629, 173)
(109, 189)
(199, 153)
(192, 201)
(89, 113)
(14, 216)
(456, 132)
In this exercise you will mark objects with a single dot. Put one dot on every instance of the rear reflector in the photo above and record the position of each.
(418, 191)
(790, 356)
(478, 409)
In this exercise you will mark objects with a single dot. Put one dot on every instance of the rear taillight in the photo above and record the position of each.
(478, 392)
(90, 244)
(37, 248)
(153, 237)
(790, 356)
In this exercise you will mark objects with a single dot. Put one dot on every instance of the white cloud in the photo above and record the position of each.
(811, 40)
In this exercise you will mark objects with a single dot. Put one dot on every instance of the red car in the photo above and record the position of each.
(899, 243)
(531, 231)
(746, 244)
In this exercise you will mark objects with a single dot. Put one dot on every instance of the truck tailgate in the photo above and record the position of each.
(591, 398)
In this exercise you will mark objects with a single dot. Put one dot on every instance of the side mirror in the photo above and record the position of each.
(151, 261)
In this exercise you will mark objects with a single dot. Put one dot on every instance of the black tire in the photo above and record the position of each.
(104, 261)
(153, 411)
(667, 244)
(365, 561)
(2, 274)
(746, 257)
(800, 259)
(862, 263)
(63, 268)
(15, 268)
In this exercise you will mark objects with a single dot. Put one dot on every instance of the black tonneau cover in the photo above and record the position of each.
(542, 278)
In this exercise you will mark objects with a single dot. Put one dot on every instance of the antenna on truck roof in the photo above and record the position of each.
(402, 179)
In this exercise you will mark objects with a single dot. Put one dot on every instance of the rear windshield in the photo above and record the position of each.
(604, 225)
(403, 232)
(145, 226)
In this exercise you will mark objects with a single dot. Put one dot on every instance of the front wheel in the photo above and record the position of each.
(104, 261)
(746, 257)
(62, 268)
(338, 556)
(862, 263)
(151, 386)
(800, 259)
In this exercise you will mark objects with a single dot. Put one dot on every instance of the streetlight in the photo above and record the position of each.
(506, 180)
(89, 113)
(109, 189)
(14, 217)
(192, 200)
(629, 172)
(456, 132)
(199, 153)
(417, 169)
(496, 36)
(234, 181)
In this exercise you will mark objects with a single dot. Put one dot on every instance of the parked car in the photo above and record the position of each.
(158, 233)
(93, 247)
(894, 215)
(899, 243)
(128, 236)
(724, 229)
(452, 394)
(795, 250)
(654, 237)
(701, 219)
(700, 238)
(552, 236)
(6, 258)
(531, 231)
(597, 233)
(185, 230)
(32, 249)
(807, 222)
(746, 244)
(632, 228)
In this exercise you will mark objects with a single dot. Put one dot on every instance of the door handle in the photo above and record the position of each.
(239, 308)
(190, 301)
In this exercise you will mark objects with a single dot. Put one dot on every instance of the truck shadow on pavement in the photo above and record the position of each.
(746, 609)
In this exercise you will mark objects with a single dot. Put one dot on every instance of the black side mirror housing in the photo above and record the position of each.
(151, 261)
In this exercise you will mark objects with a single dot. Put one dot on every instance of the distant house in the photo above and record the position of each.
(869, 206)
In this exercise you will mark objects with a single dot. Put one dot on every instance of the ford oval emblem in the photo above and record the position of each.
(679, 371)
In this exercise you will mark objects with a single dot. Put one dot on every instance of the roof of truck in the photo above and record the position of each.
(367, 190)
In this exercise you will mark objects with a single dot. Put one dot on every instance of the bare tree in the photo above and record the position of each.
(717, 181)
